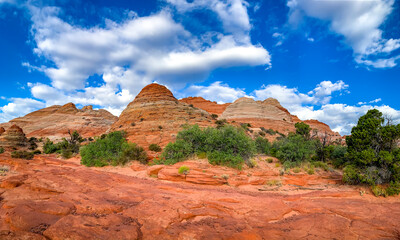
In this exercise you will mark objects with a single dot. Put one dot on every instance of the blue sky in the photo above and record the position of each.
(330, 60)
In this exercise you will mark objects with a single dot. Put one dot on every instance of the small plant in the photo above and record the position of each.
(184, 170)
(36, 152)
(191, 105)
(1, 150)
(22, 155)
(202, 155)
(141, 119)
(133, 124)
(296, 170)
(274, 182)
(214, 116)
(220, 123)
(270, 160)
(378, 191)
(4, 170)
(277, 165)
(310, 171)
(225, 176)
(160, 127)
(261, 133)
(155, 147)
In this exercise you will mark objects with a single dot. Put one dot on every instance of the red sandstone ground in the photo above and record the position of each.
(49, 198)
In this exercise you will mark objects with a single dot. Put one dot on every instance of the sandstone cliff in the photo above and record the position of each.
(55, 121)
(156, 116)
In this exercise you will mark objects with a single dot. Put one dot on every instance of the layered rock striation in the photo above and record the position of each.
(13, 138)
(55, 121)
(156, 116)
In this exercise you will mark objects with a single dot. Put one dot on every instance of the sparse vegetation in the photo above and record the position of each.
(1, 150)
(155, 147)
(22, 154)
(214, 116)
(67, 147)
(112, 149)
(184, 170)
(228, 146)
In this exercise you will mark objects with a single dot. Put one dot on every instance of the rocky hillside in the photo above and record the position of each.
(156, 116)
(55, 121)
(13, 138)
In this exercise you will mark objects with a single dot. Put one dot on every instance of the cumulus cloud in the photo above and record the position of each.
(232, 13)
(19, 107)
(358, 22)
(217, 91)
(316, 104)
(130, 54)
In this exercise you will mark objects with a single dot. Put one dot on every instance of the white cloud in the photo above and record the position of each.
(340, 117)
(135, 52)
(18, 107)
(357, 21)
(232, 13)
(217, 91)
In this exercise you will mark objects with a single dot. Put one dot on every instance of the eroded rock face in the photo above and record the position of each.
(206, 105)
(55, 121)
(156, 116)
(57, 199)
(2, 130)
(13, 138)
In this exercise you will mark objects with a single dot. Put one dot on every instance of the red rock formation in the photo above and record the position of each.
(156, 116)
(47, 198)
(55, 121)
(2, 130)
(13, 138)
(206, 105)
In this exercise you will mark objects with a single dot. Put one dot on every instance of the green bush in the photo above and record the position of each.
(22, 154)
(37, 152)
(294, 148)
(214, 116)
(1, 150)
(176, 152)
(338, 155)
(225, 159)
(155, 147)
(303, 129)
(222, 145)
(112, 149)
(184, 170)
(372, 155)
(262, 145)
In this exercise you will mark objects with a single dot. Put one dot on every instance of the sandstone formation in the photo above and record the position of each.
(156, 116)
(206, 105)
(13, 138)
(48, 198)
(55, 121)
(2, 130)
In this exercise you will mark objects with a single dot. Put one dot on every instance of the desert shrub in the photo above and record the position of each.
(49, 147)
(323, 165)
(221, 123)
(372, 155)
(262, 145)
(214, 116)
(201, 155)
(261, 133)
(32, 143)
(22, 154)
(176, 152)
(294, 148)
(338, 155)
(225, 159)
(296, 170)
(184, 170)
(67, 147)
(112, 149)
(222, 145)
(36, 152)
(303, 129)
(1, 150)
(155, 147)
(270, 160)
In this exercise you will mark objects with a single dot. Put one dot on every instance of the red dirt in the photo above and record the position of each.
(57, 199)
